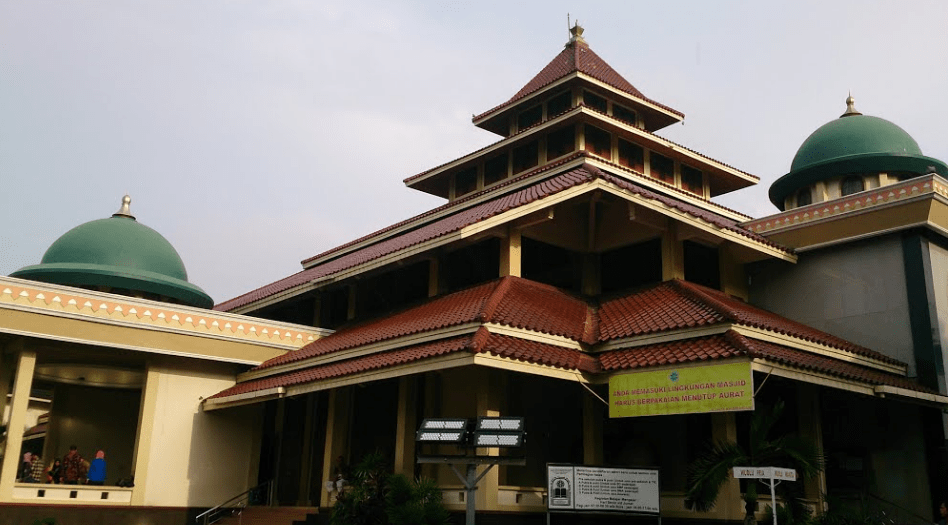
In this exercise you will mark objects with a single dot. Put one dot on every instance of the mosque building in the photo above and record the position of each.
(576, 261)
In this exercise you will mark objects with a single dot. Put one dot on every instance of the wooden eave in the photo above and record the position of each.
(722, 178)
(656, 116)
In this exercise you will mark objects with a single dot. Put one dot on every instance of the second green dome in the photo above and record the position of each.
(118, 253)
(853, 144)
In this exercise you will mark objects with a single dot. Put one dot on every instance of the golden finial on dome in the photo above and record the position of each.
(850, 107)
(124, 210)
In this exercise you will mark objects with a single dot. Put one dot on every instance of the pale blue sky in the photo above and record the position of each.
(255, 134)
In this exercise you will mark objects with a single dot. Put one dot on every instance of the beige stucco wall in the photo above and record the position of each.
(194, 458)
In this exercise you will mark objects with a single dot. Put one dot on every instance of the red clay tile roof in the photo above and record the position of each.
(509, 301)
(351, 366)
(733, 344)
(577, 57)
(480, 342)
(478, 213)
(722, 346)
(680, 304)
(538, 353)
(671, 353)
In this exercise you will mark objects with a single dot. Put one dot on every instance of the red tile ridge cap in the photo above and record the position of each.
(739, 341)
(479, 340)
(698, 295)
(591, 325)
(496, 297)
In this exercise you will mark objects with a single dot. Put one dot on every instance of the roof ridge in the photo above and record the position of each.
(591, 325)
(552, 72)
(496, 296)
(694, 295)
(725, 310)
(739, 341)
(479, 340)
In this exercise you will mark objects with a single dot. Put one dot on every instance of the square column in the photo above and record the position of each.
(22, 383)
(489, 388)
(146, 428)
(730, 503)
(405, 428)
(592, 430)
(337, 435)
(511, 253)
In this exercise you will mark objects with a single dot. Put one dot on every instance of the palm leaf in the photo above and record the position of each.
(707, 473)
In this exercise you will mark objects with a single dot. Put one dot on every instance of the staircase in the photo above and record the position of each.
(272, 516)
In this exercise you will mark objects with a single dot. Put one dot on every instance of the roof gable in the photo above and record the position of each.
(578, 57)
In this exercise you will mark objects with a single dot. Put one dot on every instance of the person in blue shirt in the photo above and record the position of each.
(96, 475)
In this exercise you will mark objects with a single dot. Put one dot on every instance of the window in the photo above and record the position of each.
(702, 265)
(631, 266)
(623, 114)
(525, 157)
(662, 168)
(495, 169)
(851, 185)
(691, 180)
(631, 156)
(594, 101)
(560, 142)
(559, 104)
(599, 142)
(804, 197)
(529, 117)
(465, 182)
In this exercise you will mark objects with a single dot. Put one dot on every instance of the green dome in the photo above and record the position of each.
(851, 136)
(853, 143)
(119, 253)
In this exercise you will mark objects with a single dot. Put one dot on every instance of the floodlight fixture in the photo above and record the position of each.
(500, 424)
(450, 430)
(498, 439)
(499, 432)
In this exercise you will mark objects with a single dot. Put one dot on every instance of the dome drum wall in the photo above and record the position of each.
(853, 145)
(117, 253)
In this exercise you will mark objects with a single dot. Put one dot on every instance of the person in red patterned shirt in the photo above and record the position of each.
(72, 468)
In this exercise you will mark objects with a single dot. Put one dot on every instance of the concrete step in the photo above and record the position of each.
(269, 516)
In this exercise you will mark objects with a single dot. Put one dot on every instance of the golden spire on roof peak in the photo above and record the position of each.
(576, 34)
(850, 107)
(124, 211)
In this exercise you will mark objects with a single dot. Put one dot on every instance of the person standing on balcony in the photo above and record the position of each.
(26, 468)
(72, 469)
(97, 469)
(37, 469)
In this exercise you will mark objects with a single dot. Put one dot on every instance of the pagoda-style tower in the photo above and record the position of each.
(578, 106)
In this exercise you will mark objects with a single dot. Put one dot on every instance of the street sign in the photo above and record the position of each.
(777, 473)
(772, 475)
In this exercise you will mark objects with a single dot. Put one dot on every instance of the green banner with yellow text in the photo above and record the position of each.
(690, 390)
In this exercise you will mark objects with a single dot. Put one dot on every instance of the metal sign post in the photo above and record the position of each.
(470, 479)
(773, 474)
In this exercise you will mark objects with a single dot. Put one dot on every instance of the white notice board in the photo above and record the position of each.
(599, 489)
